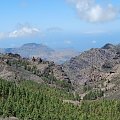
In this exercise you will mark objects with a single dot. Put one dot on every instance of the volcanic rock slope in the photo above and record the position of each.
(15, 68)
(97, 68)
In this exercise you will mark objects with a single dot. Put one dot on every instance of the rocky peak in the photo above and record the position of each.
(108, 46)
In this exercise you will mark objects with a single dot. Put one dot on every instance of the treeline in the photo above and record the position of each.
(29, 100)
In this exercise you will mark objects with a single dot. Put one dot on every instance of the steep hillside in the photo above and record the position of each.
(96, 69)
(94, 74)
(31, 101)
(15, 68)
(41, 90)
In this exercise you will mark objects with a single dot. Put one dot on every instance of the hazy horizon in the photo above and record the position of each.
(78, 24)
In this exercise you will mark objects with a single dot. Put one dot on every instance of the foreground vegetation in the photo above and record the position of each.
(29, 100)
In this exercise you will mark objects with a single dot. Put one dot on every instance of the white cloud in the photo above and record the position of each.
(23, 31)
(90, 11)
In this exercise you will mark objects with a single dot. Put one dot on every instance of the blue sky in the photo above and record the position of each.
(78, 24)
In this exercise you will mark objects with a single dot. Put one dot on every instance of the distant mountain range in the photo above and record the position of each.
(39, 50)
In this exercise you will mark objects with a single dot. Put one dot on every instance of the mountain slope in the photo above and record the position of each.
(39, 50)
(15, 68)
(96, 69)
(30, 50)
(31, 101)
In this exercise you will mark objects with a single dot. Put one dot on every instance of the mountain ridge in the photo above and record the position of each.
(39, 50)
(96, 69)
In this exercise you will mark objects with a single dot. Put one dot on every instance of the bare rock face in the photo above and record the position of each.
(92, 65)
(80, 67)
(96, 68)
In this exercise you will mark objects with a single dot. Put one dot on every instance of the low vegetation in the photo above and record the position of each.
(29, 100)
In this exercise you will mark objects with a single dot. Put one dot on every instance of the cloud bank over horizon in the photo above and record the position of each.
(93, 12)
(21, 31)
